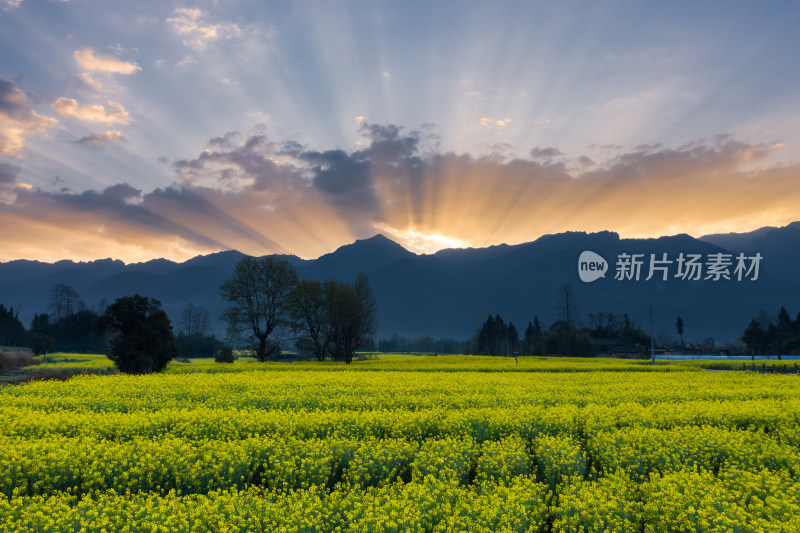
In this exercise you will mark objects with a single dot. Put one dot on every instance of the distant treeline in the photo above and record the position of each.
(68, 325)
(767, 335)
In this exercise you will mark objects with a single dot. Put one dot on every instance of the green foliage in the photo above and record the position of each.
(495, 337)
(224, 355)
(12, 332)
(76, 332)
(352, 316)
(426, 344)
(766, 335)
(334, 317)
(197, 345)
(570, 341)
(41, 343)
(140, 335)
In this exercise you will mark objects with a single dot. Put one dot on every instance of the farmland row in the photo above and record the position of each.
(409, 391)
(686, 501)
(90, 466)
(273, 450)
(778, 418)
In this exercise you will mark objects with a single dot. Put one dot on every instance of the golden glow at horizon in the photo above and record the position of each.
(476, 205)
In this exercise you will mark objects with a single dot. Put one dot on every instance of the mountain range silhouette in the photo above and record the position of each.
(451, 292)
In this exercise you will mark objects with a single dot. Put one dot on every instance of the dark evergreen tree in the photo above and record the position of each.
(76, 332)
(531, 339)
(12, 332)
(485, 337)
(40, 323)
(498, 347)
(512, 338)
(755, 338)
(140, 335)
(679, 328)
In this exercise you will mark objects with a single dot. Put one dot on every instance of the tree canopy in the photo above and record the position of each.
(258, 294)
(334, 317)
(140, 335)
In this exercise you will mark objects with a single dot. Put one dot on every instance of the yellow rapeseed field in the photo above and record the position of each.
(404, 444)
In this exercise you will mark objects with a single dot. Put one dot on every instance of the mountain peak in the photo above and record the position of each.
(379, 239)
(364, 255)
(377, 244)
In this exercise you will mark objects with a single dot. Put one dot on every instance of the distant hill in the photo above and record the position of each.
(782, 243)
(451, 292)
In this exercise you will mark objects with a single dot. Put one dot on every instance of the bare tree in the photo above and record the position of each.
(353, 316)
(336, 318)
(63, 301)
(195, 320)
(202, 321)
(186, 318)
(567, 305)
(568, 313)
(258, 294)
(310, 316)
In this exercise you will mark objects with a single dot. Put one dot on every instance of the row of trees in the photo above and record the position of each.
(426, 344)
(70, 326)
(566, 336)
(12, 332)
(67, 326)
(73, 332)
(607, 331)
(268, 303)
(194, 337)
(136, 330)
(767, 335)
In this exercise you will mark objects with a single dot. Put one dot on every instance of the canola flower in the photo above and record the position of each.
(296, 448)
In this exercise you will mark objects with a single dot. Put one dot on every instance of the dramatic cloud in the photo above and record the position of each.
(545, 154)
(445, 199)
(17, 119)
(85, 81)
(488, 122)
(260, 196)
(99, 141)
(122, 191)
(8, 181)
(8, 174)
(69, 107)
(225, 141)
(87, 60)
(98, 221)
(197, 31)
(5, 5)
(256, 164)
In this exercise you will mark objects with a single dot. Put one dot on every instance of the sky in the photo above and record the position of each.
(137, 130)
